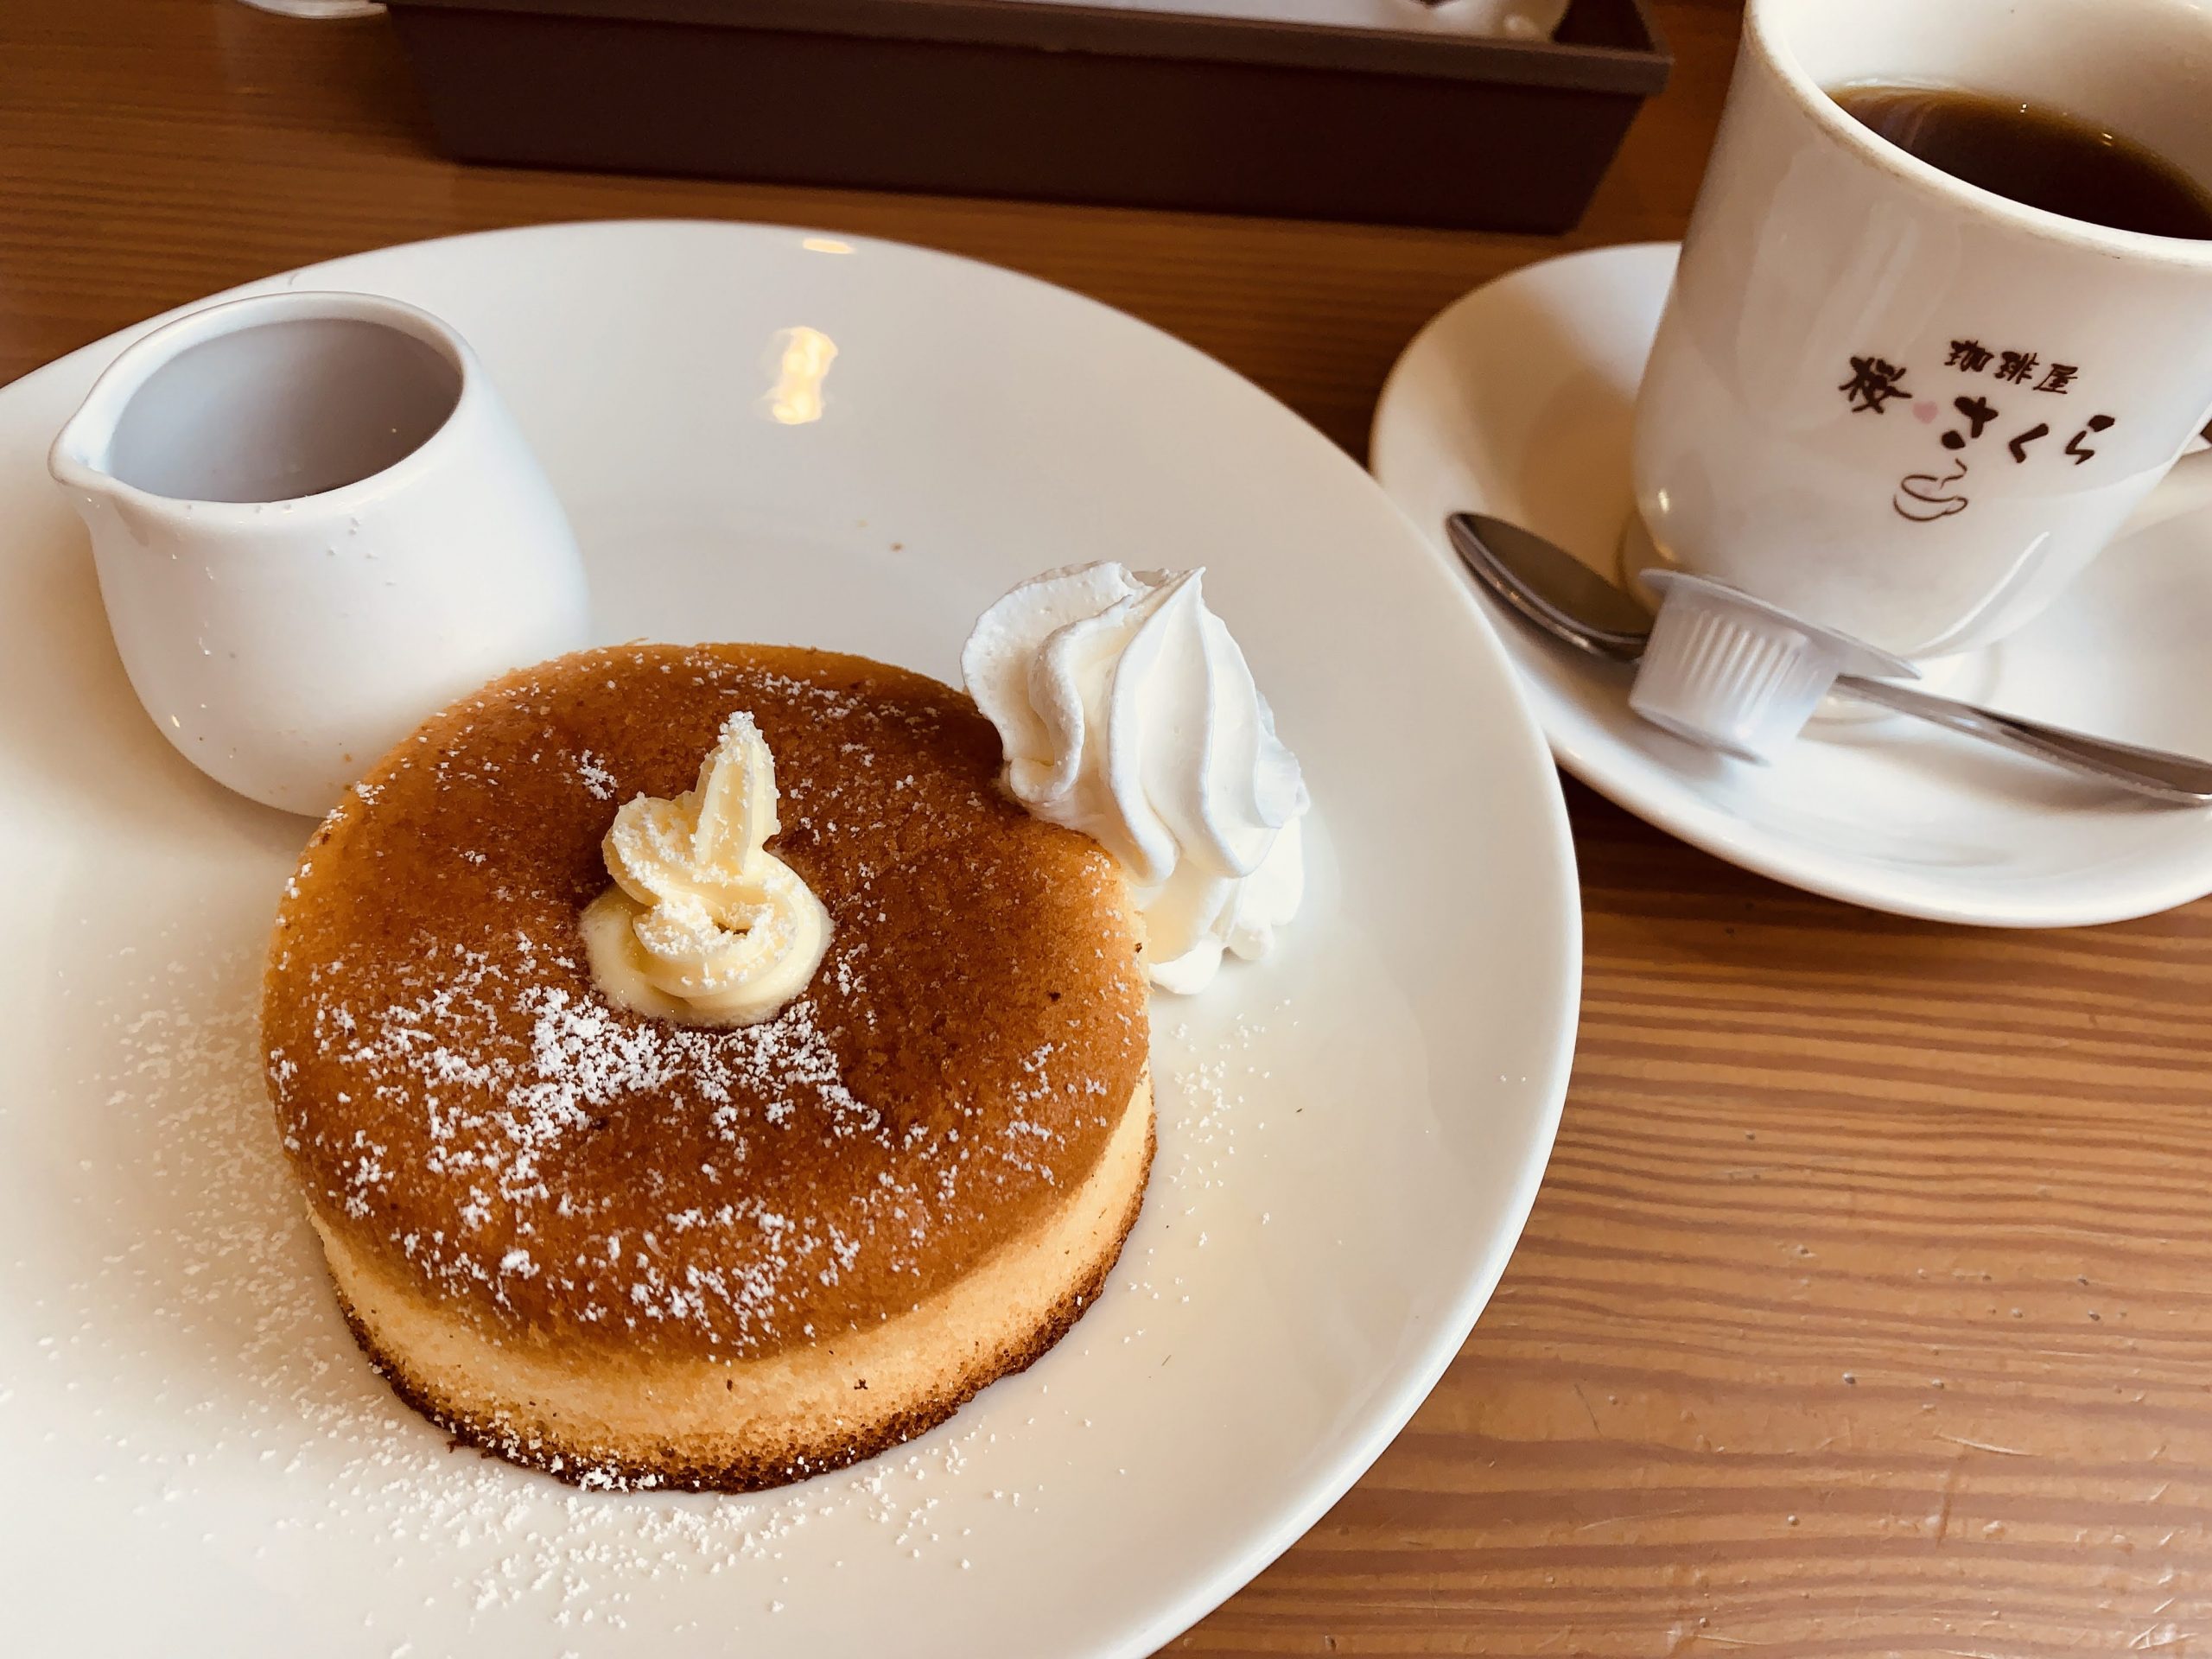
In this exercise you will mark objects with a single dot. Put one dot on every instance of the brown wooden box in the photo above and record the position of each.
(1063, 103)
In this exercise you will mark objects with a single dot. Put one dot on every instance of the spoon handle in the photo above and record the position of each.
(2154, 772)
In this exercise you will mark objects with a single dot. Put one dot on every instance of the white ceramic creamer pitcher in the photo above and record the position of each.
(314, 523)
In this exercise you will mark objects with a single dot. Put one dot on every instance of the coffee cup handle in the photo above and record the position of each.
(2186, 489)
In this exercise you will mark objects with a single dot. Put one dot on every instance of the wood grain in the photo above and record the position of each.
(1867, 1308)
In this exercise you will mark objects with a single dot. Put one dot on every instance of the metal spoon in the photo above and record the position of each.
(1558, 594)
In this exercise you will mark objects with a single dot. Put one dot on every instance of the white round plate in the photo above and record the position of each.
(199, 1463)
(1517, 402)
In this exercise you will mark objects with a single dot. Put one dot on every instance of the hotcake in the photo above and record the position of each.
(636, 1252)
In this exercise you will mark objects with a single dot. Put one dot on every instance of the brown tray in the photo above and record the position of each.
(1063, 103)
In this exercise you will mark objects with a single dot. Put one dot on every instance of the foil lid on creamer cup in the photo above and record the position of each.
(1727, 670)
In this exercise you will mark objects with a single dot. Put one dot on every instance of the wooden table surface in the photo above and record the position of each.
(1864, 1310)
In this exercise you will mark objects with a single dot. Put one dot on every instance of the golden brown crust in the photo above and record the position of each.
(460, 1103)
(799, 1458)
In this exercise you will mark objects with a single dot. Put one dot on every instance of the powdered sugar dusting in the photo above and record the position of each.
(1200, 1083)
(498, 1110)
(465, 1094)
(214, 1280)
(201, 1350)
(597, 779)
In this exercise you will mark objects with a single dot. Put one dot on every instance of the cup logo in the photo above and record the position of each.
(1875, 383)
(1925, 496)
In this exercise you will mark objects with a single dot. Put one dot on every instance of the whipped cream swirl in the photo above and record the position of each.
(703, 924)
(1128, 713)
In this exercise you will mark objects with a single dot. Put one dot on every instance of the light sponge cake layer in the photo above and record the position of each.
(740, 1425)
(539, 1207)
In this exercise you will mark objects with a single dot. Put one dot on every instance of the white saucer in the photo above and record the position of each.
(198, 1462)
(1516, 402)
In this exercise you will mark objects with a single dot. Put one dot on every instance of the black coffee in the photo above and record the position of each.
(2035, 155)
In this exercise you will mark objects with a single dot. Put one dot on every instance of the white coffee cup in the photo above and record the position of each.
(1899, 405)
